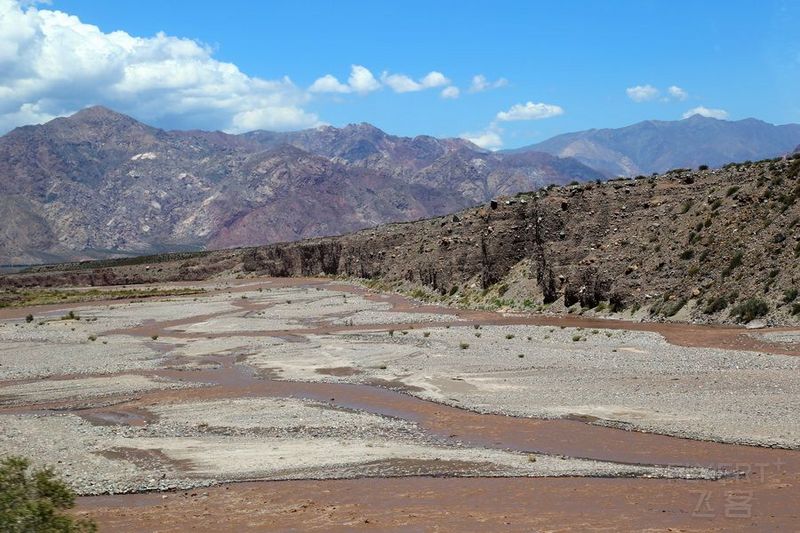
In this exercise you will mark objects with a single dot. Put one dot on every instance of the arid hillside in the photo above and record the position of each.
(710, 245)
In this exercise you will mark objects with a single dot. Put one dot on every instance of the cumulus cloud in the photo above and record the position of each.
(720, 114)
(400, 83)
(489, 138)
(642, 93)
(451, 92)
(361, 81)
(530, 111)
(677, 93)
(329, 84)
(480, 84)
(53, 64)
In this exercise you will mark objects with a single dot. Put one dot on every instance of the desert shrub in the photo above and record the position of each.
(750, 309)
(731, 190)
(687, 254)
(29, 318)
(685, 206)
(735, 262)
(796, 309)
(789, 295)
(702, 167)
(716, 305)
(33, 500)
(672, 307)
(463, 345)
(616, 302)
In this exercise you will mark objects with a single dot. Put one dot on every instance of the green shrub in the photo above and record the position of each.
(716, 305)
(789, 296)
(750, 309)
(735, 262)
(33, 500)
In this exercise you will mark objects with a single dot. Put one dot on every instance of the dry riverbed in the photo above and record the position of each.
(310, 380)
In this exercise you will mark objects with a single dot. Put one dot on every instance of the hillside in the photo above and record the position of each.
(711, 246)
(658, 146)
(100, 184)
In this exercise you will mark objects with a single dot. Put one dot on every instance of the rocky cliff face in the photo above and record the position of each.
(715, 245)
(100, 184)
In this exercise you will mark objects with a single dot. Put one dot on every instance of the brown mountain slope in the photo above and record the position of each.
(716, 245)
(100, 184)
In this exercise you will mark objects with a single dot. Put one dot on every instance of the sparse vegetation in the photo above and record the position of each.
(750, 309)
(789, 295)
(70, 316)
(735, 262)
(716, 305)
(44, 296)
(463, 345)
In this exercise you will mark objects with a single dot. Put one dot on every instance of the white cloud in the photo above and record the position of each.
(362, 81)
(529, 111)
(480, 84)
(400, 83)
(642, 93)
(53, 64)
(451, 92)
(707, 112)
(328, 84)
(489, 138)
(434, 79)
(677, 93)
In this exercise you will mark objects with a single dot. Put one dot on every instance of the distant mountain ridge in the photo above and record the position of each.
(658, 146)
(100, 184)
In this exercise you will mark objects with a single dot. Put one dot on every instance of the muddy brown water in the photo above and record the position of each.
(770, 484)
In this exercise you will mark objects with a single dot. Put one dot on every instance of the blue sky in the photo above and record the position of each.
(550, 67)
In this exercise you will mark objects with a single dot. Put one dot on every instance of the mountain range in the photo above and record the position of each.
(657, 146)
(100, 184)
